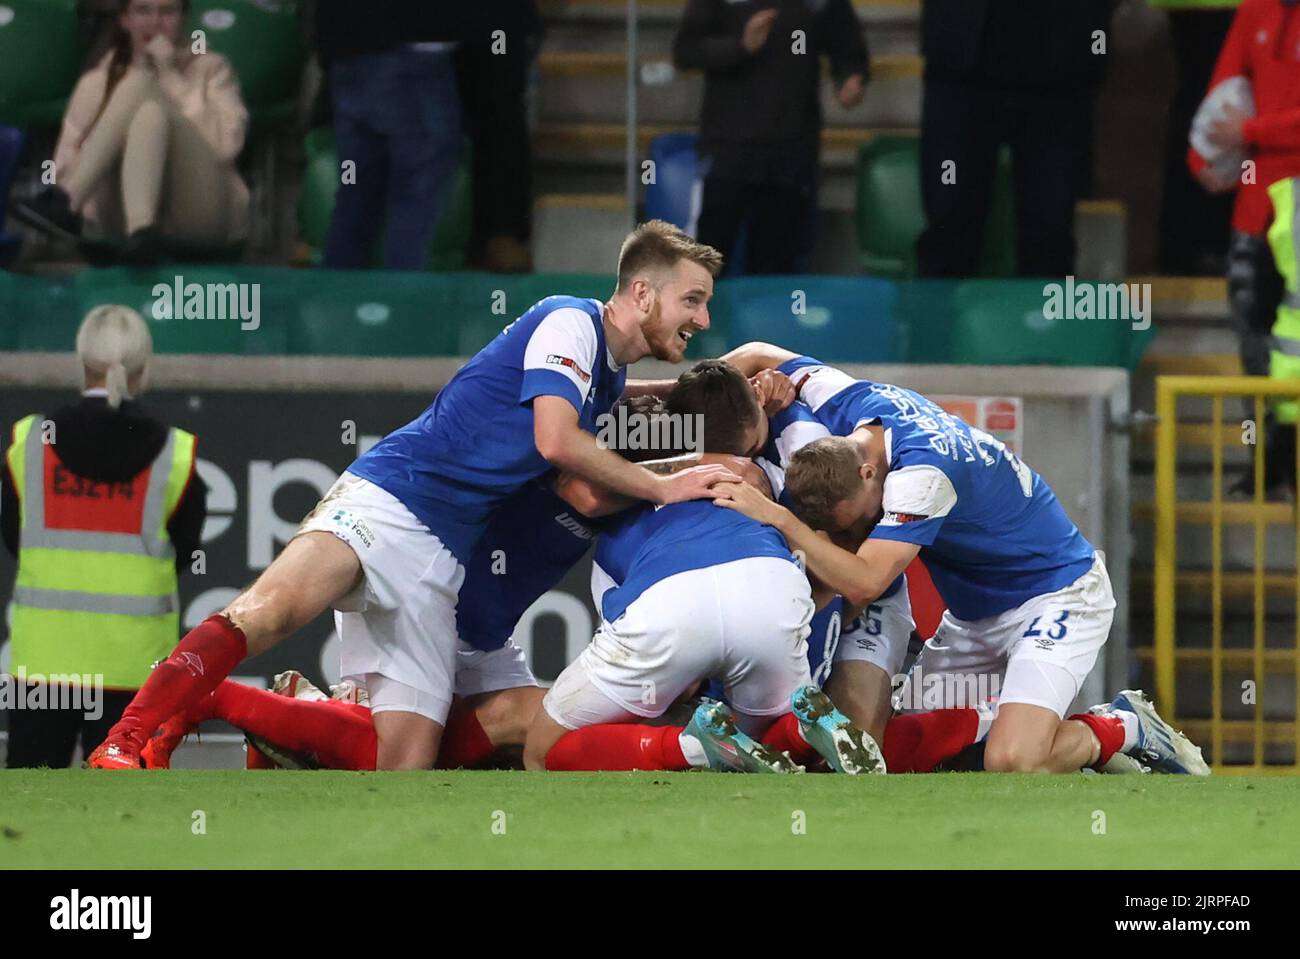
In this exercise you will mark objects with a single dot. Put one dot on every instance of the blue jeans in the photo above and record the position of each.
(397, 117)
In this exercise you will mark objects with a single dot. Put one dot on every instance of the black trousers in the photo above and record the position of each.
(1050, 136)
(776, 212)
(494, 109)
(1193, 223)
(48, 737)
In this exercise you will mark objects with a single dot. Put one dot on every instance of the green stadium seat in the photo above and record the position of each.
(837, 318)
(1003, 322)
(264, 44)
(320, 182)
(41, 53)
(176, 334)
(890, 214)
(375, 313)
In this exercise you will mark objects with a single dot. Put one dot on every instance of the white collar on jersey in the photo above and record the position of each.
(889, 437)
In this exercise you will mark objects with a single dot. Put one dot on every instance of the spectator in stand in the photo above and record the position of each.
(1007, 72)
(1262, 57)
(1192, 223)
(493, 74)
(102, 507)
(761, 123)
(147, 151)
(397, 117)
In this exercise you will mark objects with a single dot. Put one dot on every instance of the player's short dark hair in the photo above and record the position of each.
(820, 476)
(717, 391)
(652, 408)
(658, 245)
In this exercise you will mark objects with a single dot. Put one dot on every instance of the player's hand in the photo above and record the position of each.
(743, 498)
(773, 390)
(756, 30)
(161, 52)
(1227, 130)
(694, 483)
(1214, 181)
(851, 91)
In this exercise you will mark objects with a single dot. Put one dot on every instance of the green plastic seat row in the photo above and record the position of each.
(320, 183)
(42, 52)
(890, 214)
(375, 313)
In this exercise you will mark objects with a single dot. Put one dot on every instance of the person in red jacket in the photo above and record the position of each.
(1263, 48)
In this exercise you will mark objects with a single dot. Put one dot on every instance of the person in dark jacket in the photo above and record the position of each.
(761, 122)
(101, 505)
(1021, 74)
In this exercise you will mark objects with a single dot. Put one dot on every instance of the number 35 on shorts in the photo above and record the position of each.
(1045, 631)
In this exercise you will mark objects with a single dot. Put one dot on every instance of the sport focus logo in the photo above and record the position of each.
(558, 360)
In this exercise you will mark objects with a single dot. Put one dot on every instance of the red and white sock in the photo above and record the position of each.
(619, 747)
(196, 666)
(1116, 732)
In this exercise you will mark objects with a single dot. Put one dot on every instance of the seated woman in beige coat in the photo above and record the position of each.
(149, 141)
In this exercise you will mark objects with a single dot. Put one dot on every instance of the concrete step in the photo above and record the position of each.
(574, 233)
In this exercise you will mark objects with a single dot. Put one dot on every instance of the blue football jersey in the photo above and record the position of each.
(533, 539)
(473, 447)
(992, 533)
(647, 544)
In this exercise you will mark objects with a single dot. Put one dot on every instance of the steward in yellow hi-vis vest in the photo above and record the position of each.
(97, 498)
(96, 586)
(1284, 355)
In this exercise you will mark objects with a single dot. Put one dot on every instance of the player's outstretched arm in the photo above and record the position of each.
(569, 448)
(859, 577)
(754, 357)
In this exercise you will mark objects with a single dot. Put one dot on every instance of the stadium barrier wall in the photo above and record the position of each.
(275, 431)
(1246, 722)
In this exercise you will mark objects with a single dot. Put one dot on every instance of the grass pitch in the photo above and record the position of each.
(85, 819)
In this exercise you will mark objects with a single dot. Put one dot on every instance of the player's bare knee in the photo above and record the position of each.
(264, 617)
(1015, 757)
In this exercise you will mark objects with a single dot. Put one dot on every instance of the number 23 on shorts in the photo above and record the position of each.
(1055, 630)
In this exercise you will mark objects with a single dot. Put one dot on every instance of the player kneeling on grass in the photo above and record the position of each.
(532, 542)
(1029, 598)
(686, 594)
(387, 545)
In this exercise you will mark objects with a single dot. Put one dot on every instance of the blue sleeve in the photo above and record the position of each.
(789, 366)
(549, 383)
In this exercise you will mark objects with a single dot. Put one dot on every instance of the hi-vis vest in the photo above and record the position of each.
(96, 585)
(1284, 239)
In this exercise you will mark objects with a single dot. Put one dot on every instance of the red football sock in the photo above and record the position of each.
(464, 743)
(340, 735)
(917, 742)
(199, 662)
(1109, 731)
(784, 736)
(256, 759)
(617, 746)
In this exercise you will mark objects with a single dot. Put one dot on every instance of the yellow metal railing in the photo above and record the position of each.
(1259, 660)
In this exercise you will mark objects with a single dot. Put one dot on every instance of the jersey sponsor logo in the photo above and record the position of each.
(556, 360)
(898, 519)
